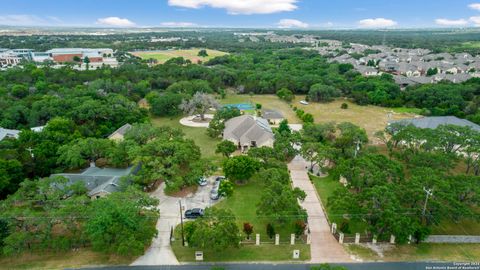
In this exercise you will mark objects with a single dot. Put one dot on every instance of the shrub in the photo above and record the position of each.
(344, 106)
(299, 227)
(247, 229)
(270, 230)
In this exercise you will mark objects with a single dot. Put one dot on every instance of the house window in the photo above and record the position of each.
(254, 143)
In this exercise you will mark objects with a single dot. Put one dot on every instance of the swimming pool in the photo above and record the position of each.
(240, 106)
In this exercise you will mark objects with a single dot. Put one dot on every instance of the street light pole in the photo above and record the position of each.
(181, 222)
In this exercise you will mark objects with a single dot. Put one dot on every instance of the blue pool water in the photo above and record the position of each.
(240, 106)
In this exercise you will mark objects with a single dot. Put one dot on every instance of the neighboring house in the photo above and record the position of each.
(247, 131)
(435, 121)
(367, 71)
(8, 133)
(273, 117)
(118, 134)
(99, 182)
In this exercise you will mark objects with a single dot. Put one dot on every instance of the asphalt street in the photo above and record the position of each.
(252, 266)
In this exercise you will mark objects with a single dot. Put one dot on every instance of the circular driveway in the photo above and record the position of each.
(188, 121)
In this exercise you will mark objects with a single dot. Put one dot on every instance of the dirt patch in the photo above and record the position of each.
(184, 192)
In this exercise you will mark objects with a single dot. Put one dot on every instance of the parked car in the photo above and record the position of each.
(202, 181)
(214, 195)
(194, 213)
(303, 102)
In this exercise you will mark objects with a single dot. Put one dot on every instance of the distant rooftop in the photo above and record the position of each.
(435, 121)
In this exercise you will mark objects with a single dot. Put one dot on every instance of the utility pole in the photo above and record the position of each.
(181, 222)
(357, 148)
(429, 192)
(31, 152)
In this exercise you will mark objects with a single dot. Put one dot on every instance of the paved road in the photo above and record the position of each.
(324, 247)
(350, 266)
(160, 252)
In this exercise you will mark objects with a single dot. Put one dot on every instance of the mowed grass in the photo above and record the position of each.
(371, 118)
(420, 252)
(61, 260)
(268, 102)
(243, 203)
(245, 253)
(165, 55)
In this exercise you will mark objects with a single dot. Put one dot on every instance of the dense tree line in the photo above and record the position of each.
(386, 192)
(49, 215)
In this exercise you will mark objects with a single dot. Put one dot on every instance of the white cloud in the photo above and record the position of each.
(240, 6)
(447, 22)
(377, 23)
(475, 6)
(115, 21)
(475, 20)
(291, 23)
(178, 24)
(27, 20)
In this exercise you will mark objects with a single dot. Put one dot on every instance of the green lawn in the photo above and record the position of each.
(325, 187)
(207, 144)
(243, 204)
(407, 110)
(246, 253)
(165, 55)
(421, 252)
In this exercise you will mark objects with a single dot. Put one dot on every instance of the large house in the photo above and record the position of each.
(436, 121)
(248, 131)
(99, 181)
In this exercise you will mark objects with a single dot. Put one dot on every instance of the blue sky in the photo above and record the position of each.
(242, 13)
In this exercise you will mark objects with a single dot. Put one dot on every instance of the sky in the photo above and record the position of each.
(305, 14)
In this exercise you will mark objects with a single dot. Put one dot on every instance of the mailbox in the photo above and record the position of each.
(199, 255)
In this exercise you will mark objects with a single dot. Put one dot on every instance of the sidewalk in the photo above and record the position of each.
(324, 247)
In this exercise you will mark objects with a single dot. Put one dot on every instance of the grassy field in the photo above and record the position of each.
(61, 260)
(325, 187)
(421, 252)
(371, 118)
(164, 56)
(267, 101)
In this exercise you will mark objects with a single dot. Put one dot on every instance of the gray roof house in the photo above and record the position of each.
(435, 121)
(99, 181)
(272, 116)
(247, 131)
(8, 133)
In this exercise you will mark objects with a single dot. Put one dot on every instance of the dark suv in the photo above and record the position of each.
(194, 213)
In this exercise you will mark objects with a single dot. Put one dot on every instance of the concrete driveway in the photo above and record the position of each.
(324, 247)
(160, 252)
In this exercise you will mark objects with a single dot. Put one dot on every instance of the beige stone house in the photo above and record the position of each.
(248, 131)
